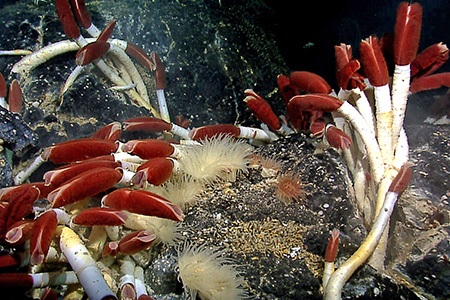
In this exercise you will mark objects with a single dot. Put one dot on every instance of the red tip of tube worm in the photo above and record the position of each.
(407, 32)
(401, 181)
(346, 68)
(111, 248)
(337, 138)
(317, 128)
(261, 109)
(348, 77)
(155, 171)
(313, 102)
(48, 294)
(140, 56)
(81, 13)
(3, 88)
(80, 149)
(144, 203)
(430, 82)
(41, 237)
(67, 19)
(15, 97)
(210, 131)
(284, 84)
(128, 291)
(59, 176)
(429, 60)
(309, 82)
(8, 262)
(107, 31)
(374, 64)
(102, 216)
(136, 241)
(22, 206)
(147, 149)
(342, 54)
(332, 247)
(19, 232)
(111, 132)
(146, 124)
(160, 73)
(86, 184)
(15, 281)
(91, 52)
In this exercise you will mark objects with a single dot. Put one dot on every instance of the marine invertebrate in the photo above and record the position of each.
(204, 272)
(219, 158)
(288, 187)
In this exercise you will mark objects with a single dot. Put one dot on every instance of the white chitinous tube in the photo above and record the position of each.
(84, 266)
(337, 280)
(364, 108)
(24, 174)
(384, 121)
(127, 281)
(368, 138)
(69, 81)
(130, 68)
(256, 134)
(54, 278)
(162, 103)
(139, 280)
(400, 91)
(180, 131)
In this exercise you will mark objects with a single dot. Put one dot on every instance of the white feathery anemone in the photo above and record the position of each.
(181, 190)
(165, 230)
(206, 273)
(218, 158)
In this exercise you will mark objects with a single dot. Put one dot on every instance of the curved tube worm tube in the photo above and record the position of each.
(84, 266)
(337, 280)
(144, 203)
